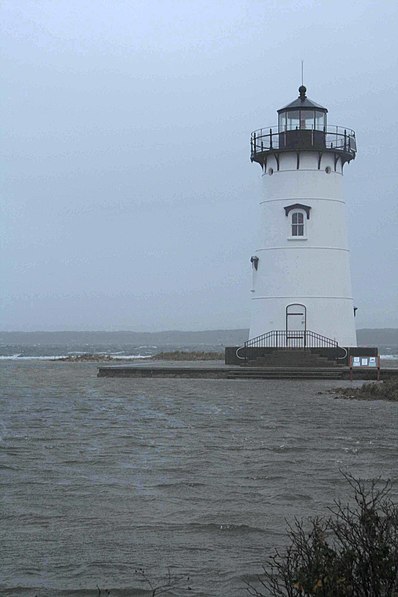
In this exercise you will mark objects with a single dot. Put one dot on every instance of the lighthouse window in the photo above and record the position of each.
(320, 121)
(293, 120)
(306, 119)
(297, 223)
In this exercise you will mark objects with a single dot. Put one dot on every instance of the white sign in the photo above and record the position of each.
(365, 362)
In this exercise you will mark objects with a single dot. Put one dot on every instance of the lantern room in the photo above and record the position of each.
(302, 124)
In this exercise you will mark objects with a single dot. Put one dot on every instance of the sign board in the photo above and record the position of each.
(365, 362)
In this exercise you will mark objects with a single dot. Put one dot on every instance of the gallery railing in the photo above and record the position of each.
(333, 138)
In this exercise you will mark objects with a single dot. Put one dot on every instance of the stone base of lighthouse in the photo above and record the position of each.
(298, 362)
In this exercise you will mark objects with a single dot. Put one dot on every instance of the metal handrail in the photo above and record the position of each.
(290, 339)
(337, 138)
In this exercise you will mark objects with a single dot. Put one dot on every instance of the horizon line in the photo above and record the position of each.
(168, 331)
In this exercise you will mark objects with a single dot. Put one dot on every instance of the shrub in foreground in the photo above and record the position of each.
(351, 553)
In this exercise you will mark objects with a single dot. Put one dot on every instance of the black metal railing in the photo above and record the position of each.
(294, 340)
(334, 138)
(291, 339)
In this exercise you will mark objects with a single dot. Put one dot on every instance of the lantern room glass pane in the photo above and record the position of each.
(282, 122)
(306, 119)
(293, 120)
(320, 120)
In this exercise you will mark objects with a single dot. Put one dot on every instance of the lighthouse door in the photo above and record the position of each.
(296, 325)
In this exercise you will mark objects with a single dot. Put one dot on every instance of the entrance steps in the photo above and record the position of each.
(289, 373)
(293, 358)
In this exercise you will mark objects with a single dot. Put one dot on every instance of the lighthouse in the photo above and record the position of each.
(301, 280)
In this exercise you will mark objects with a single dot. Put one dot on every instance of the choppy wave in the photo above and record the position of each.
(18, 357)
(93, 591)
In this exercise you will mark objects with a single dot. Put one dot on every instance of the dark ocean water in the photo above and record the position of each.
(100, 477)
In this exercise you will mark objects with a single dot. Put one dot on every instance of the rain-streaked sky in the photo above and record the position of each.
(128, 196)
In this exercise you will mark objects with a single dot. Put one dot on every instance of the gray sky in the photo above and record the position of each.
(128, 197)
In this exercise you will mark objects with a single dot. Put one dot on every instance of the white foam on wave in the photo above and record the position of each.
(131, 357)
(19, 357)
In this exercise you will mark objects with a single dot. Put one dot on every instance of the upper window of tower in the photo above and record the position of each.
(298, 214)
(297, 223)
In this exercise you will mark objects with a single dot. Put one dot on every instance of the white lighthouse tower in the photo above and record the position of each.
(301, 294)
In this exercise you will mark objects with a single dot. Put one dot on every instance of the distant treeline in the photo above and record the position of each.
(210, 337)
(366, 337)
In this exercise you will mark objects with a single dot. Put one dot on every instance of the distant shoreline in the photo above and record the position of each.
(176, 355)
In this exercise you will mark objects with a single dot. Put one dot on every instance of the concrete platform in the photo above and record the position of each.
(221, 371)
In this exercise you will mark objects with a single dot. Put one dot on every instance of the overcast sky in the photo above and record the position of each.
(128, 196)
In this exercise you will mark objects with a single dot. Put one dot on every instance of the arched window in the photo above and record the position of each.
(297, 223)
(298, 214)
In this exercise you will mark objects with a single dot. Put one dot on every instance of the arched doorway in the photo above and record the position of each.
(296, 325)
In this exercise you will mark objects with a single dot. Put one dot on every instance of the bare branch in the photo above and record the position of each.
(351, 553)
